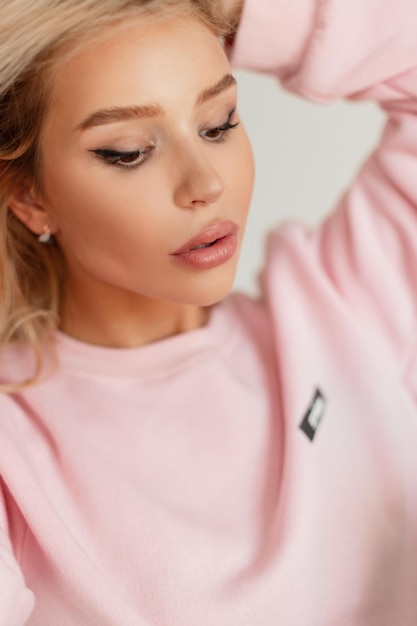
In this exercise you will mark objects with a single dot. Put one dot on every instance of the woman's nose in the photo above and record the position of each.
(199, 182)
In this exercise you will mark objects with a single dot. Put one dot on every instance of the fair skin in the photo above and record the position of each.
(117, 225)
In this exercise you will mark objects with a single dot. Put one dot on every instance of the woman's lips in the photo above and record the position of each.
(222, 238)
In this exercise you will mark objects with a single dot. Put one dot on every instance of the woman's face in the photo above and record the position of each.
(138, 158)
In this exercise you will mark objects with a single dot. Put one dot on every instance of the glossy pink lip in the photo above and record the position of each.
(213, 246)
(208, 235)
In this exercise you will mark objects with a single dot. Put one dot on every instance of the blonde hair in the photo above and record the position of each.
(34, 36)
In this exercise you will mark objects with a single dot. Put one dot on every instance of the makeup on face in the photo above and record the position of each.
(143, 153)
(212, 247)
(129, 159)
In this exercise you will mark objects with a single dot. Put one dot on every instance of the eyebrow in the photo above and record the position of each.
(122, 114)
(225, 83)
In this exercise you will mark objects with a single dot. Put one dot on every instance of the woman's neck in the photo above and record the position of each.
(131, 322)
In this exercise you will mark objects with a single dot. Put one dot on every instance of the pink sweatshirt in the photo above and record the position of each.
(261, 470)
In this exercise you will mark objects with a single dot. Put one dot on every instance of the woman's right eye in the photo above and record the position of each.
(125, 160)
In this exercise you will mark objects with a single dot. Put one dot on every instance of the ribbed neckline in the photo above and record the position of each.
(154, 360)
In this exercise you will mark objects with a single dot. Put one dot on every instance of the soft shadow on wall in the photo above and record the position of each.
(306, 154)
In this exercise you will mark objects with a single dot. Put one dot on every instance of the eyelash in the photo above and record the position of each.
(115, 158)
(223, 129)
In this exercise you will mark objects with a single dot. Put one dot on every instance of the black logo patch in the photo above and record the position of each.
(314, 415)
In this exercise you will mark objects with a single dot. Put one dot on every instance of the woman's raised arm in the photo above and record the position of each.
(326, 49)
(365, 254)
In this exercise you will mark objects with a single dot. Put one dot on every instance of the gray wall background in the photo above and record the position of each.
(305, 153)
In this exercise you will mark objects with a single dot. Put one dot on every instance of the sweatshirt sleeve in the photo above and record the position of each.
(327, 49)
(365, 252)
(16, 601)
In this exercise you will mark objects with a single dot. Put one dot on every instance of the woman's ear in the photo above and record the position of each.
(28, 207)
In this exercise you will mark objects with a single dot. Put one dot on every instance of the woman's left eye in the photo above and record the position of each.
(219, 133)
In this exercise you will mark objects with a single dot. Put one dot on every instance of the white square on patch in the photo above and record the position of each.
(316, 413)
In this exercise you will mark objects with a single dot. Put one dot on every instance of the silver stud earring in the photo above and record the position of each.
(46, 235)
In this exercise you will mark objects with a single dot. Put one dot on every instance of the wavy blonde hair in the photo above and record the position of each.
(34, 36)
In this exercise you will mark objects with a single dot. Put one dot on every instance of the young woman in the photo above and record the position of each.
(171, 454)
